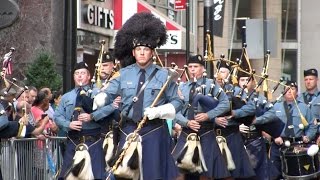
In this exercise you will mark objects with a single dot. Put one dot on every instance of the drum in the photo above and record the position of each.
(297, 164)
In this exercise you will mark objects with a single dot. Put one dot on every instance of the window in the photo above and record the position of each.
(289, 20)
(289, 65)
(244, 9)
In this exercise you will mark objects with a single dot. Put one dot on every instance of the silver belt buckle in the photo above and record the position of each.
(135, 99)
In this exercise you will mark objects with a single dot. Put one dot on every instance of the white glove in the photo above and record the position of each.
(99, 100)
(243, 128)
(166, 111)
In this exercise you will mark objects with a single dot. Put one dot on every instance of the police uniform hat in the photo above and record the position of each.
(196, 59)
(223, 64)
(244, 67)
(310, 72)
(141, 29)
(107, 57)
(81, 65)
(292, 84)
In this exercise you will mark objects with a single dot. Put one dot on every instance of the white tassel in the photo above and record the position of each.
(108, 141)
(222, 142)
(313, 150)
(86, 172)
(123, 169)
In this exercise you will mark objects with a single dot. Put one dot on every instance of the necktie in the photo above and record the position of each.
(191, 108)
(138, 105)
(289, 131)
(310, 97)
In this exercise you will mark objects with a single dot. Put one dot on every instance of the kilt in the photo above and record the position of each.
(212, 155)
(256, 149)
(157, 160)
(240, 156)
(95, 150)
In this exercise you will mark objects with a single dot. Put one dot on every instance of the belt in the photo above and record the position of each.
(204, 127)
(252, 135)
(292, 139)
(220, 131)
(84, 139)
(125, 120)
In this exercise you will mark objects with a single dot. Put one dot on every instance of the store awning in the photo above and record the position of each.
(124, 9)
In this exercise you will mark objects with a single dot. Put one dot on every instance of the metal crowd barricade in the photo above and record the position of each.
(31, 158)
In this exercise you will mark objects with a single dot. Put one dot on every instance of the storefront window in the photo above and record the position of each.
(289, 20)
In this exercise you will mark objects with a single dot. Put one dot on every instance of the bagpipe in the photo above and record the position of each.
(190, 158)
(263, 81)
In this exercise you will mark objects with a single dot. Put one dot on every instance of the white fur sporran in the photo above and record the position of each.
(131, 165)
(108, 147)
(81, 167)
(222, 142)
(191, 157)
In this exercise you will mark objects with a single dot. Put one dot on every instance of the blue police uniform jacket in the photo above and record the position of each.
(126, 86)
(222, 107)
(314, 105)
(268, 112)
(308, 131)
(64, 112)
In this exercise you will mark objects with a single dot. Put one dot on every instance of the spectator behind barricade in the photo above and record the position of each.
(54, 102)
(21, 112)
(40, 105)
(32, 94)
(23, 97)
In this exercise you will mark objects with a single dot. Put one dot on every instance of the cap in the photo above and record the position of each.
(107, 57)
(196, 59)
(310, 72)
(245, 67)
(223, 64)
(81, 65)
(292, 84)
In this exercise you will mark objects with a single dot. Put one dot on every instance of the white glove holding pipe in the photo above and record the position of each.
(166, 111)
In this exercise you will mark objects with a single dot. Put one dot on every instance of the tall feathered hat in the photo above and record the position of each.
(141, 29)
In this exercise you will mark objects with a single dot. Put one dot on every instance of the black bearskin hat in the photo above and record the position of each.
(141, 29)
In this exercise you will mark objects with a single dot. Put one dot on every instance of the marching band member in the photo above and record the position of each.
(223, 78)
(107, 63)
(109, 115)
(228, 129)
(83, 132)
(252, 133)
(200, 123)
(139, 84)
(289, 111)
(311, 97)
